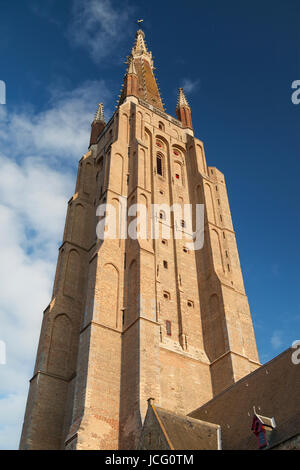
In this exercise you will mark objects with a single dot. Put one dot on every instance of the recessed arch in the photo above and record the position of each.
(216, 327)
(125, 126)
(78, 224)
(87, 178)
(117, 162)
(132, 292)
(210, 210)
(71, 282)
(109, 295)
(59, 359)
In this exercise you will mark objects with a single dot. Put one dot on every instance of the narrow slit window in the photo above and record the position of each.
(168, 328)
(165, 264)
(159, 165)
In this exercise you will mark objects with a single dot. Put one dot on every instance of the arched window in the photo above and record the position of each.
(161, 126)
(162, 215)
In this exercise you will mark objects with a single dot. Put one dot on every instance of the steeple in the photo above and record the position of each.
(99, 116)
(98, 124)
(183, 110)
(140, 48)
(182, 101)
(139, 79)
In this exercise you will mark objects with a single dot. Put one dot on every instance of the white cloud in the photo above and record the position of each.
(276, 340)
(99, 25)
(189, 86)
(62, 130)
(38, 154)
(10, 406)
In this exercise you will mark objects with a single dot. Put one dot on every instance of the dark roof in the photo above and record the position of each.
(273, 389)
(187, 433)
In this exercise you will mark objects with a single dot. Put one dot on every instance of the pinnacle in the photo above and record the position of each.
(182, 101)
(140, 45)
(99, 116)
(131, 66)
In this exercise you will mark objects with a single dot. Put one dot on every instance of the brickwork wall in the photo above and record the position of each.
(131, 319)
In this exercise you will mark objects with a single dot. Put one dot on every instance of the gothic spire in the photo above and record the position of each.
(98, 124)
(140, 45)
(139, 80)
(182, 101)
(183, 110)
(131, 67)
(99, 116)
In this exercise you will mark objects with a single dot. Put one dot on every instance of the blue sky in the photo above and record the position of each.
(236, 60)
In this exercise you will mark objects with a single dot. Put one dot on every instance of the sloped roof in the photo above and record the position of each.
(188, 433)
(273, 389)
(170, 430)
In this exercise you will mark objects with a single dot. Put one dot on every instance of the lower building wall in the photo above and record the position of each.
(185, 382)
(44, 413)
(96, 409)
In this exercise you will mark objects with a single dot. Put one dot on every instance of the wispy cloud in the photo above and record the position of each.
(276, 340)
(100, 25)
(59, 131)
(38, 154)
(189, 85)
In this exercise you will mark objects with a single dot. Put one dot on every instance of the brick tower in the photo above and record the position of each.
(137, 318)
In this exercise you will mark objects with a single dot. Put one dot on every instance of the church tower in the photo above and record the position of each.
(146, 316)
